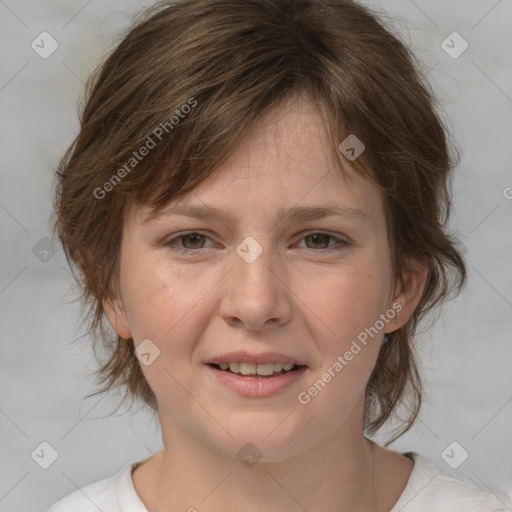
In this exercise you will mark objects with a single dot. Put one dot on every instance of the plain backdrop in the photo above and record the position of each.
(466, 356)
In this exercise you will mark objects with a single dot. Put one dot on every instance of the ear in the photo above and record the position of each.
(114, 309)
(408, 297)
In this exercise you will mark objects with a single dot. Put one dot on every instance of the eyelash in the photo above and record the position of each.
(171, 244)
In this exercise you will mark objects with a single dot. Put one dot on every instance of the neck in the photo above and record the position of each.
(341, 473)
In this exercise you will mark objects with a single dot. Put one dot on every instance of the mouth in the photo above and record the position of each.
(256, 380)
(260, 370)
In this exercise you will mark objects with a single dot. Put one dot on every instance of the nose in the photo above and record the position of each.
(255, 294)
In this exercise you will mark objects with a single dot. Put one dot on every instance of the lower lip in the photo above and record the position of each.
(255, 387)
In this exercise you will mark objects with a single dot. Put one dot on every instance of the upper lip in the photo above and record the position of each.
(246, 357)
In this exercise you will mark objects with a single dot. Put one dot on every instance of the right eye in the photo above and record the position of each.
(194, 239)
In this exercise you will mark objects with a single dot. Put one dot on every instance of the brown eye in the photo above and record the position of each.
(323, 242)
(319, 240)
(195, 240)
(188, 242)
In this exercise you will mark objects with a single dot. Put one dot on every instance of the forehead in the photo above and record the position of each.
(284, 163)
(293, 134)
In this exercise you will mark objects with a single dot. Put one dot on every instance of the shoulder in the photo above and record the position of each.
(100, 495)
(89, 498)
(431, 488)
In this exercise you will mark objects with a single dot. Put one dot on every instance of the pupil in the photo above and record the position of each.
(192, 236)
(318, 235)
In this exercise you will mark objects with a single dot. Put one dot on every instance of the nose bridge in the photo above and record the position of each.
(255, 295)
(253, 264)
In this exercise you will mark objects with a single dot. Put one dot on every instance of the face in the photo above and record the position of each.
(261, 285)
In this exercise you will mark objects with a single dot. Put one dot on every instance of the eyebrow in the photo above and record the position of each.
(299, 213)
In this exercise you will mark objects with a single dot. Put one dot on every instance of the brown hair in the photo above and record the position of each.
(231, 62)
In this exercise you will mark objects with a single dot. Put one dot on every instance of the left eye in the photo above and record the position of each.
(188, 237)
(192, 241)
(321, 239)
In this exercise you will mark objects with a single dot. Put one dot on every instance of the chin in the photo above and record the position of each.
(272, 440)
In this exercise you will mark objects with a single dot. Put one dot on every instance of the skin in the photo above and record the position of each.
(300, 297)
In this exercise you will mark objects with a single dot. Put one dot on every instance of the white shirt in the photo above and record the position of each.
(429, 489)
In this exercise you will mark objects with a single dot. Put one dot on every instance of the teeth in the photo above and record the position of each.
(247, 368)
(263, 369)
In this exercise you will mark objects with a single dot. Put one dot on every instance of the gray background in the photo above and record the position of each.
(466, 356)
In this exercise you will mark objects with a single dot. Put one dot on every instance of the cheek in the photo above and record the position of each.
(345, 309)
(347, 300)
(168, 306)
(160, 298)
